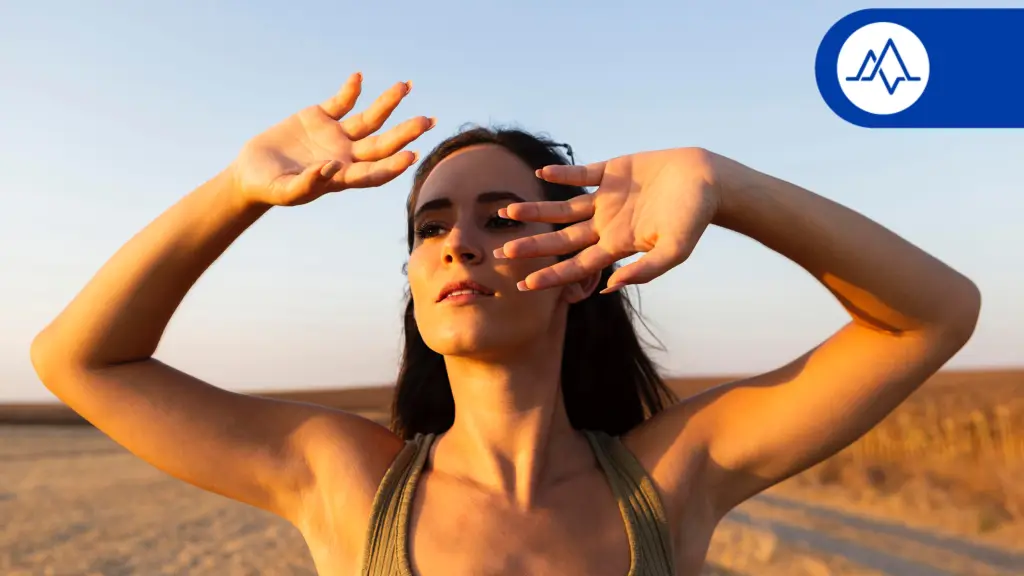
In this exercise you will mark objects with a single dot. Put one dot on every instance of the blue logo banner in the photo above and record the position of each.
(925, 68)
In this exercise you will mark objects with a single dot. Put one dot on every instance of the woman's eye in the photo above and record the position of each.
(499, 222)
(428, 230)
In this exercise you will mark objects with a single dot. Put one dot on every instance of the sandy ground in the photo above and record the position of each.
(74, 503)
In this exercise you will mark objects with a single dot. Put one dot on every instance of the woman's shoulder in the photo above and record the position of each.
(348, 456)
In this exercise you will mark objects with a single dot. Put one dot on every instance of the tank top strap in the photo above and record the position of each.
(386, 551)
(650, 544)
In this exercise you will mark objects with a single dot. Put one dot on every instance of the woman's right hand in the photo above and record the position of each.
(319, 150)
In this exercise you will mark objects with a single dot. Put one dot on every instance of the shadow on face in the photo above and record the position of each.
(466, 301)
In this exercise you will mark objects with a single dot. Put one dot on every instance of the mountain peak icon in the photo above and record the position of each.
(889, 50)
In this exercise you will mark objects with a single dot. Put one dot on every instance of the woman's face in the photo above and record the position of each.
(465, 300)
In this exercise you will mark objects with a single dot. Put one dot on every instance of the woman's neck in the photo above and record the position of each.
(511, 434)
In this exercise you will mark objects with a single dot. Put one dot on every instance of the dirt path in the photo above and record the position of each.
(74, 503)
(874, 544)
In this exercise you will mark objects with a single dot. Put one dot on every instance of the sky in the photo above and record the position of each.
(112, 111)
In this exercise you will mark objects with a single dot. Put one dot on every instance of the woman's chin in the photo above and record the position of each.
(462, 344)
(481, 334)
(469, 340)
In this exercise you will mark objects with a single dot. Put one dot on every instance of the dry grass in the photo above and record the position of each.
(954, 423)
(951, 457)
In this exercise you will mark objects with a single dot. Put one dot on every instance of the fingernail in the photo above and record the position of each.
(358, 76)
(431, 122)
(408, 86)
(613, 288)
(500, 253)
(522, 286)
(503, 213)
(415, 157)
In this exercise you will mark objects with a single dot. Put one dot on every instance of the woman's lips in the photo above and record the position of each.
(464, 291)
(464, 297)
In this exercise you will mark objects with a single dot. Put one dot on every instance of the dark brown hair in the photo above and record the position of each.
(608, 381)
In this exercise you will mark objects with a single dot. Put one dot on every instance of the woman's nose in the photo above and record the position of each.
(461, 248)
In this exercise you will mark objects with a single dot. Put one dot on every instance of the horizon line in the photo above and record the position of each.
(365, 387)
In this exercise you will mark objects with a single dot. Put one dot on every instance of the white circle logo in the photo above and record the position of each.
(883, 68)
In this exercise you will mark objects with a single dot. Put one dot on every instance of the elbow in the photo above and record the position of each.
(57, 353)
(44, 358)
(962, 311)
(52, 359)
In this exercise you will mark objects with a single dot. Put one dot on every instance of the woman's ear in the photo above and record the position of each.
(578, 291)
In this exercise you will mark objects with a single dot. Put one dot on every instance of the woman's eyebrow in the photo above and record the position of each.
(498, 196)
(433, 206)
(483, 198)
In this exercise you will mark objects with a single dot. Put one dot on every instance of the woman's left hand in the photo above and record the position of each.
(657, 202)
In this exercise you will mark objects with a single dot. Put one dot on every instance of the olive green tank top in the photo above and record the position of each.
(650, 548)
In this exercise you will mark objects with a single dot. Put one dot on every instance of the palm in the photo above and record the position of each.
(315, 151)
(657, 203)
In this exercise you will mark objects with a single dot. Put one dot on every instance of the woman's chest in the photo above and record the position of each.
(458, 544)
(449, 528)
(576, 529)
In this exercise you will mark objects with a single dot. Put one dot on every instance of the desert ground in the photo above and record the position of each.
(935, 489)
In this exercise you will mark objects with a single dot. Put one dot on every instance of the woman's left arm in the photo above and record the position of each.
(910, 314)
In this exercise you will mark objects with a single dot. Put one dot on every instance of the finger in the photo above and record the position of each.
(342, 102)
(659, 260)
(590, 261)
(564, 241)
(575, 209)
(374, 148)
(313, 181)
(588, 175)
(369, 174)
(367, 122)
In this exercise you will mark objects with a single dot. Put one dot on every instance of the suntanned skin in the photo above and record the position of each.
(511, 488)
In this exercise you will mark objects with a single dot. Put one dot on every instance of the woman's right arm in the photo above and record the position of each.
(96, 356)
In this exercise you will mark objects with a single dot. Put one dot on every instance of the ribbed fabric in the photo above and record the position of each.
(386, 552)
(646, 523)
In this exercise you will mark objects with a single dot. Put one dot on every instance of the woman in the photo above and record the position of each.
(562, 456)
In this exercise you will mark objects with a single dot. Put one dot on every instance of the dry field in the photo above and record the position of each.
(951, 457)
(931, 491)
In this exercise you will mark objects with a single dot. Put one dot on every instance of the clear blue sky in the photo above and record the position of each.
(111, 111)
